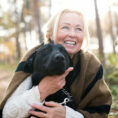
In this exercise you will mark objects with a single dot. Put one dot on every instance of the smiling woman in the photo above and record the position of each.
(91, 96)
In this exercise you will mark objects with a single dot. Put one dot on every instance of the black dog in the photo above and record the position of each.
(52, 59)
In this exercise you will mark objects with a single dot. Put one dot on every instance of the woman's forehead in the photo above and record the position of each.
(71, 17)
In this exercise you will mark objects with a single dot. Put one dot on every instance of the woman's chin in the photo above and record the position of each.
(71, 49)
(70, 52)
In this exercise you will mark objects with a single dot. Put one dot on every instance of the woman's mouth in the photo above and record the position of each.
(70, 42)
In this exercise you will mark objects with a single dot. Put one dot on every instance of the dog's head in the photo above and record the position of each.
(51, 59)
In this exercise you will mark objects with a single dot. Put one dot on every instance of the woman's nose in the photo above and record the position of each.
(72, 33)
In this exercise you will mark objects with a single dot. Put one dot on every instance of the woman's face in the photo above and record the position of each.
(70, 32)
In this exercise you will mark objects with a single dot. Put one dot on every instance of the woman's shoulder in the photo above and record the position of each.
(89, 61)
(89, 56)
(91, 65)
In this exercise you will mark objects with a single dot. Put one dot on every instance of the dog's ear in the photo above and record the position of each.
(28, 66)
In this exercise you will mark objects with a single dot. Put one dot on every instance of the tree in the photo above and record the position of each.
(50, 6)
(17, 21)
(111, 31)
(37, 19)
(99, 34)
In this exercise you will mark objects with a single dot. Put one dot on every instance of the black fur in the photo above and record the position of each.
(50, 59)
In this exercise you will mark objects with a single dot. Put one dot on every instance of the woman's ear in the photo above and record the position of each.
(51, 39)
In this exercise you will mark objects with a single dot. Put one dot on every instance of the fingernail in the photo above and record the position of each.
(72, 68)
(33, 104)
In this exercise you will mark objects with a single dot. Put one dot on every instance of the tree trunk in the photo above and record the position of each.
(24, 30)
(111, 32)
(50, 6)
(36, 12)
(18, 48)
(99, 34)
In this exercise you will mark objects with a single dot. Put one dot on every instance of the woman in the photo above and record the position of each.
(89, 90)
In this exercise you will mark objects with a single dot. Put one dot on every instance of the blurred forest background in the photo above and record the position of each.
(22, 21)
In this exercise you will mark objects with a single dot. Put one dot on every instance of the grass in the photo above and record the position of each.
(5, 66)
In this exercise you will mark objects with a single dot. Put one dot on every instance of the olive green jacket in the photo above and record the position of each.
(89, 90)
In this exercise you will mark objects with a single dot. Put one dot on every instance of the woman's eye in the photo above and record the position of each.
(78, 29)
(65, 27)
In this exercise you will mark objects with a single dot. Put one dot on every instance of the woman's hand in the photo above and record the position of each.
(51, 110)
(51, 84)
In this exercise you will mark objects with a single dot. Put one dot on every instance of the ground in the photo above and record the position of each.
(5, 77)
(4, 81)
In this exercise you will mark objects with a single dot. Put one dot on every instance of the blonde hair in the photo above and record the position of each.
(52, 25)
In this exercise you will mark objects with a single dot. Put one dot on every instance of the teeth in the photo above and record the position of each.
(70, 42)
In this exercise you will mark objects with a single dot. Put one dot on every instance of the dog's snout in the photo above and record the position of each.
(59, 57)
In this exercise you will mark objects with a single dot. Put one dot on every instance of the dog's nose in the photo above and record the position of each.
(59, 57)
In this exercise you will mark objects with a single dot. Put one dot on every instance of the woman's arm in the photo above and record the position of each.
(18, 105)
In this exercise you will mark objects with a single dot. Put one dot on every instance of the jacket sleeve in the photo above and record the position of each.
(99, 103)
(18, 104)
(96, 99)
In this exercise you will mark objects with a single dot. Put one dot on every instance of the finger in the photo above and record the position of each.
(33, 117)
(68, 70)
(37, 113)
(62, 83)
(40, 107)
(52, 104)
